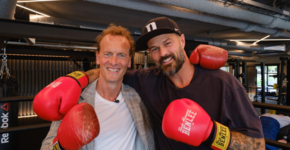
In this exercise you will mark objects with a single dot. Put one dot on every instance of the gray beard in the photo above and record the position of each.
(179, 59)
(175, 69)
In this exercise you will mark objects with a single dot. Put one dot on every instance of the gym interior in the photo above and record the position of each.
(42, 40)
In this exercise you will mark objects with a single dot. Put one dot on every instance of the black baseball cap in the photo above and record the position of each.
(155, 27)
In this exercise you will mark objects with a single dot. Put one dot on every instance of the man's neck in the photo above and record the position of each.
(184, 76)
(108, 91)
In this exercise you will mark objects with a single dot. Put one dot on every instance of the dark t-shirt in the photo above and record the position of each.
(219, 93)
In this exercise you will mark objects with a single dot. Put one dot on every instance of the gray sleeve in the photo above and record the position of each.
(47, 142)
(148, 126)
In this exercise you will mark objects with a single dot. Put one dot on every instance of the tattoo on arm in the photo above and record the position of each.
(241, 141)
(90, 73)
(93, 74)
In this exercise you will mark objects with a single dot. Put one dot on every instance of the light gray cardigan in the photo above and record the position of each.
(145, 139)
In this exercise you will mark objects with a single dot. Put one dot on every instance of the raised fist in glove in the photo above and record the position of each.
(186, 121)
(56, 99)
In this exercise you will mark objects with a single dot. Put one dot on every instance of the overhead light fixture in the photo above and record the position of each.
(261, 39)
(35, 16)
(28, 1)
(281, 47)
(250, 40)
(32, 10)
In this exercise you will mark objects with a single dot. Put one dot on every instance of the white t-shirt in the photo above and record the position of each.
(117, 128)
(283, 120)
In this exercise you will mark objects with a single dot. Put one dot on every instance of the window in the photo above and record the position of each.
(270, 70)
(225, 68)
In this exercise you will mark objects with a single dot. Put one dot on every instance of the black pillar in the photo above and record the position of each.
(86, 64)
(280, 79)
(263, 85)
(244, 75)
(288, 83)
(237, 70)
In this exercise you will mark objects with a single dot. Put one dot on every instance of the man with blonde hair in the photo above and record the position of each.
(124, 122)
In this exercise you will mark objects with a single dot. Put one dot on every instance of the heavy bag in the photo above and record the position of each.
(8, 112)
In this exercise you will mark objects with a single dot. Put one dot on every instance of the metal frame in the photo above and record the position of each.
(236, 64)
(288, 83)
(238, 74)
(51, 52)
(273, 76)
(244, 70)
(263, 86)
(281, 77)
(21, 29)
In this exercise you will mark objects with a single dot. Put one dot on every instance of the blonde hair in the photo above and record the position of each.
(116, 30)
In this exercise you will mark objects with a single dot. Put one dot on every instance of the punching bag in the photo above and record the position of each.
(8, 112)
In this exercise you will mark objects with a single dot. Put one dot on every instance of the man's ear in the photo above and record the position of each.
(148, 51)
(97, 58)
(129, 65)
(182, 39)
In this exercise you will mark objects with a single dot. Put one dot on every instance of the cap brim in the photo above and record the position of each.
(141, 42)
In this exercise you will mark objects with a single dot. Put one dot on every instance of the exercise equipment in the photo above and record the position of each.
(281, 76)
(242, 76)
(282, 131)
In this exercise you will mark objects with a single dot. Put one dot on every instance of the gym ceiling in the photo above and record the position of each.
(232, 24)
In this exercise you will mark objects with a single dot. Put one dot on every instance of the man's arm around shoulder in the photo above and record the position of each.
(93, 74)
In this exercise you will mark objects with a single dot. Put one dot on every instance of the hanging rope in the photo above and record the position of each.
(4, 66)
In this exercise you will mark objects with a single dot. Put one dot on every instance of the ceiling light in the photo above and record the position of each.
(261, 39)
(250, 40)
(28, 1)
(35, 16)
(32, 10)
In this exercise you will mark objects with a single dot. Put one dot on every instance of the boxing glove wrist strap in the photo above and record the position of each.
(57, 146)
(81, 78)
(220, 137)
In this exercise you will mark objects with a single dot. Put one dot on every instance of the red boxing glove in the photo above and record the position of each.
(209, 57)
(185, 121)
(56, 99)
(79, 127)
